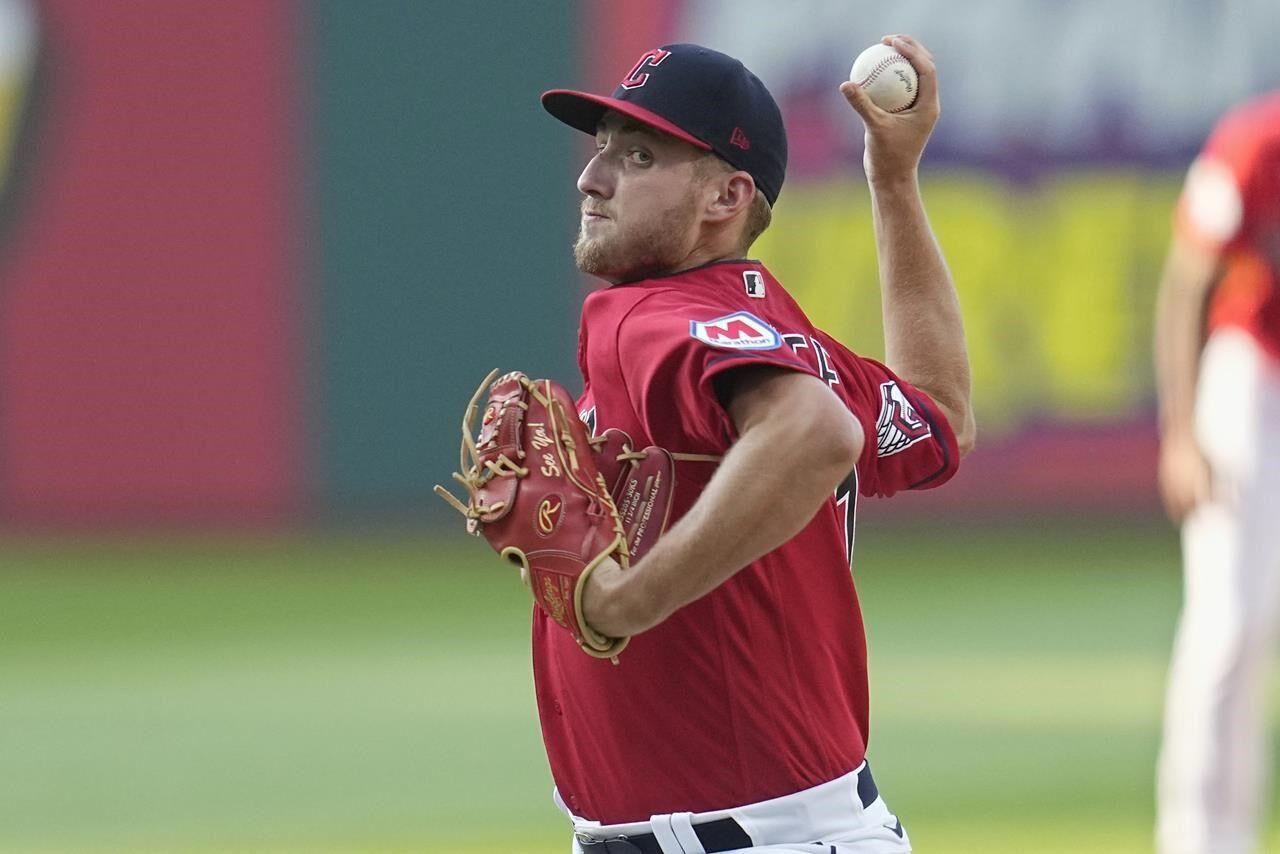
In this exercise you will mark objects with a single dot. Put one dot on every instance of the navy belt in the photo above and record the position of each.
(722, 834)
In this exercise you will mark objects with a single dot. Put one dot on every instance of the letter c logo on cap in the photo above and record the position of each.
(635, 78)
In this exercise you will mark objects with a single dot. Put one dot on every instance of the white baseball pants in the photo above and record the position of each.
(1213, 763)
(793, 824)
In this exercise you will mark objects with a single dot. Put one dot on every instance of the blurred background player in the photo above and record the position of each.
(1218, 367)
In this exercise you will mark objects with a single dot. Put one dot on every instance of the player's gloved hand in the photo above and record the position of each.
(895, 141)
(642, 484)
(536, 493)
(1186, 479)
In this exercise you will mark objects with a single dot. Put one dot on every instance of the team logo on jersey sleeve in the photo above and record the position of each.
(741, 330)
(899, 425)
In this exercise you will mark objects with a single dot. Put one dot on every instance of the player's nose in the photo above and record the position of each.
(595, 179)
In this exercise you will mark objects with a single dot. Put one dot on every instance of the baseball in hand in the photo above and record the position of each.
(887, 78)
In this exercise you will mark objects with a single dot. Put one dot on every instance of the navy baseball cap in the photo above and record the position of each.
(699, 95)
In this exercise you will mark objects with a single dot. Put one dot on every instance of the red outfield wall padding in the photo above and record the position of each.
(148, 293)
(616, 34)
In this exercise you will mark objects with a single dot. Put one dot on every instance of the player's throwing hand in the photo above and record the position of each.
(895, 141)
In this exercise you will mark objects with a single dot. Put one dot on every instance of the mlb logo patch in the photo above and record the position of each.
(741, 330)
(754, 282)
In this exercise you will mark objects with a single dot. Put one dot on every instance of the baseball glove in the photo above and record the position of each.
(553, 500)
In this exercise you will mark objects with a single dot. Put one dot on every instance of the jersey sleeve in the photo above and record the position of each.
(1210, 211)
(909, 443)
(1218, 192)
(671, 352)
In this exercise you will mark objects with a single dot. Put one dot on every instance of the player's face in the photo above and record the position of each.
(640, 214)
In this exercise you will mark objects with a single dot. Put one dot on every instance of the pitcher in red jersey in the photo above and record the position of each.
(737, 720)
(1218, 360)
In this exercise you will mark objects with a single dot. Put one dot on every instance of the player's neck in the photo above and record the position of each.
(702, 259)
(717, 246)
(679, 270)
(703, 253)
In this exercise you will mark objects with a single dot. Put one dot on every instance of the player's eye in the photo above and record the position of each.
(640, 156)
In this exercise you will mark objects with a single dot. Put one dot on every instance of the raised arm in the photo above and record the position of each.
(923, 331)
(796, 442)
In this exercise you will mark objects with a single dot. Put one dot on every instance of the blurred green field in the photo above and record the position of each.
(365, 694)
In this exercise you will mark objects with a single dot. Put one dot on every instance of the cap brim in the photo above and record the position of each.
(583, 111)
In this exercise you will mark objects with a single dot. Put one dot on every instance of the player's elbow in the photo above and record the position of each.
(957, 409)
(835, 437)
(967, 431)
(847, 441)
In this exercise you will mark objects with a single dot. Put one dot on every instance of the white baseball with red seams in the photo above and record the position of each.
(887, 77)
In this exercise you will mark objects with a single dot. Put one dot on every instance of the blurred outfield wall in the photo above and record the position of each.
(243, 245)
(260, 253)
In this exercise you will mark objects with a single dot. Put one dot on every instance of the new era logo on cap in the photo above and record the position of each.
(704, 97)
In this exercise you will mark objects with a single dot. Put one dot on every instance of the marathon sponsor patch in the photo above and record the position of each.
(899, 425)
(741, 330)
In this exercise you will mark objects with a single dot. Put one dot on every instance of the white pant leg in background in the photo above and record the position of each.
(1214, 759)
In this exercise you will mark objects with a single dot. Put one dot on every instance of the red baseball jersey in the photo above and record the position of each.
(759, 689)
(1231, 205)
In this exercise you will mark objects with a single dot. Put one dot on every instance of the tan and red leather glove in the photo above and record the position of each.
(555, 502)
(642, 484)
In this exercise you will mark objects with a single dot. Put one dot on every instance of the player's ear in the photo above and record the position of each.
(734, 194)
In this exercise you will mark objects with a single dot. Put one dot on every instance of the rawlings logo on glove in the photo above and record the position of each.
(556, 502)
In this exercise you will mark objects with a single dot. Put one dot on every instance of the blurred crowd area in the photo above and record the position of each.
(254, 256)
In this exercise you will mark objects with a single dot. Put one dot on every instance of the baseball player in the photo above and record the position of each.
(737, 719)
(1218, 366)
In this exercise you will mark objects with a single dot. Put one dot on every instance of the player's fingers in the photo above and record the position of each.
(1176, 502)
(1197, 495)
(919, 57)
(926, 71)
(861, 103)
(1208, 487)
(918, 45)
(910, 40)
(1186, 484)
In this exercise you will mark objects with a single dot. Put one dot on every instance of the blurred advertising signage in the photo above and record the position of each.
(1023, 84)
(1057, 282)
